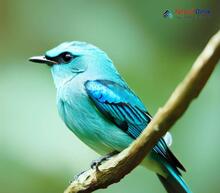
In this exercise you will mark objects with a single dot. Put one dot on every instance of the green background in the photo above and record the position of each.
(38, 154)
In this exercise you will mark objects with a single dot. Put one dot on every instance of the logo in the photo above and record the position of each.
(187, 13)
(168, 14)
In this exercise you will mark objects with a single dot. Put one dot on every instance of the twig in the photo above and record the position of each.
(115, 169)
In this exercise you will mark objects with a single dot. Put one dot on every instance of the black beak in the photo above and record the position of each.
(42, 59)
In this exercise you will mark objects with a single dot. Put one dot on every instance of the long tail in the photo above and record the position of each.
(173, 183)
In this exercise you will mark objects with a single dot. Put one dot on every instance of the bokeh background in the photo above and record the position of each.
(37, 152)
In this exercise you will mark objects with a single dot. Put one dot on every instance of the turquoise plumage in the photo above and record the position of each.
(98, 106)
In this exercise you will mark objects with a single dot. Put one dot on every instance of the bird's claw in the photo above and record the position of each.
(96, 163)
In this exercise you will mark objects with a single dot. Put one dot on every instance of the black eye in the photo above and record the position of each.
(66, 57)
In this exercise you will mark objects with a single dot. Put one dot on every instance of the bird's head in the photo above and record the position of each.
(70, 59)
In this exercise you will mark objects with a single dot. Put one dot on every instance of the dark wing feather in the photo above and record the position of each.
(121, 106)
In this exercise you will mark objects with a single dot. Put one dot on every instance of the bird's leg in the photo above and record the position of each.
(96, 163)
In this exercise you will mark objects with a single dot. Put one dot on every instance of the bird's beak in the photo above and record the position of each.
(42, 59)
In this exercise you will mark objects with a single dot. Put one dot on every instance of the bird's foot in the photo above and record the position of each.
(96, 163)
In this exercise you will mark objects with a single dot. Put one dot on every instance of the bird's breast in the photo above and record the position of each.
(82, 118)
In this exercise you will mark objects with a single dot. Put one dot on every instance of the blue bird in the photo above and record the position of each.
(97, 105)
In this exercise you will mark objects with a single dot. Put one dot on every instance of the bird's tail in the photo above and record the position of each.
(173, 183)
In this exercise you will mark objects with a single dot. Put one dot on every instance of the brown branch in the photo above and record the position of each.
(115, 169)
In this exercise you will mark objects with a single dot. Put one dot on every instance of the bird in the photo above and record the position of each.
(97, 105)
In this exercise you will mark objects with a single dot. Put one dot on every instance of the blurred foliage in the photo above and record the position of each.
(37, 152)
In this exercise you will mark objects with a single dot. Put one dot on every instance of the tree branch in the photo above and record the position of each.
(115, 169)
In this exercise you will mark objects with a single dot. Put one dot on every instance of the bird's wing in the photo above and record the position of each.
(121, 106)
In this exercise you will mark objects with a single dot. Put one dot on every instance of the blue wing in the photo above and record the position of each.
(121, 106)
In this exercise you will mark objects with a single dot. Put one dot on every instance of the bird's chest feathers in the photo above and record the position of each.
(77, 111)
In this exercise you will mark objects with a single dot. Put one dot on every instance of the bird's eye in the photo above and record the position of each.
(67, 57)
